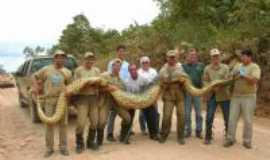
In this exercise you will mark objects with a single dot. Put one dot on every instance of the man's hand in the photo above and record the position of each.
(236, 77)
(36, 90)
(216, 88)
(67, 94)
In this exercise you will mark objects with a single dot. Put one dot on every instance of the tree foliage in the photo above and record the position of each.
(79, 37)
(31, 52)
(226, 24)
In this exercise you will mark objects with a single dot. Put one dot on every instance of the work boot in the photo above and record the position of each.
(154, 137)
(208, 137)
(125, 133)
(110, 137)
(64, 152)
(181, 138)
(91, 143)
(100, 136)
(207, 141)
(48, 153)
(247, 145)
(188, 134)
(228, 143)
(199, 135)
(181, 141)
(162, 139)
(79, 143)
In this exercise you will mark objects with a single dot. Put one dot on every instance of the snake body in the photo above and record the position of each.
(122, 98)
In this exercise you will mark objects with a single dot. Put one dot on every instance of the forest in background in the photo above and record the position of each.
(229, 25)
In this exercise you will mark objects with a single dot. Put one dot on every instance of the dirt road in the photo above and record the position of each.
(20, 139)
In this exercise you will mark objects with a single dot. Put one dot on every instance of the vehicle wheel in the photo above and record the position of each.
(33, 112)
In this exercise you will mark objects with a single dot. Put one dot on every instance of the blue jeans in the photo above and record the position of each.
(196, 101)
(111, 120)
(142, 121)
(150, 117)
(210, 115)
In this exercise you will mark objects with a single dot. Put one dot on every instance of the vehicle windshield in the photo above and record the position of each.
(39, 63)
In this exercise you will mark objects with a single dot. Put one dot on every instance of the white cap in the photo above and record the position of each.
(59, 52)
(144, 59)
(214, 52)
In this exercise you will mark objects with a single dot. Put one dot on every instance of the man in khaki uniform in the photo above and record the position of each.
(50, 81)
(172, 97)
(114, 80)
(220, 96)
(87, 105)
(248, 74)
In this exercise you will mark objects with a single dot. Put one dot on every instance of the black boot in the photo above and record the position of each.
(199, 134)
(162, 139)
(91, 139)
(79, 143)
(181, 141)
(181, 138)
(125, 133)
(100, 136)
(110, 137)
(154, 137)
(208, 137)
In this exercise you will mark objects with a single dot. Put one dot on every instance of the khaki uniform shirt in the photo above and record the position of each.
(115, 80)
(220, 72)
(54, 80)
(169, 82)
(82, 72)
(241, 86)
(107, 98)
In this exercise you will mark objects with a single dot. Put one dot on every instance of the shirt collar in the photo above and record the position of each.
(215, 67)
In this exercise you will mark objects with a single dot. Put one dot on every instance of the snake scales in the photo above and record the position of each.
(122, 98)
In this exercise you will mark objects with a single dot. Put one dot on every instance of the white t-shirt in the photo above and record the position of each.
(134, 86)
(148, 75)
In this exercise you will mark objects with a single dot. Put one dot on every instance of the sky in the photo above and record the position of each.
(43, 20)
(40, 22)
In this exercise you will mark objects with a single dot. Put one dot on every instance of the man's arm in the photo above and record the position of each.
(254, 77)
(37, 81)
(205, 77)
(76, 74)
(251, 79)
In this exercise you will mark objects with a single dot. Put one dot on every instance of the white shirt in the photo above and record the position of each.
(148, 75)
(134, 85)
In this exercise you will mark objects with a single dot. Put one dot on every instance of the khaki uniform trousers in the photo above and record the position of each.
(87, 109)
(246, 106)
(172, 98)
(49, 108)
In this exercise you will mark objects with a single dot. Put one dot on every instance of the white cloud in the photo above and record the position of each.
(43, 20)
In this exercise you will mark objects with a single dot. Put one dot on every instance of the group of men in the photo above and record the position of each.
(98, 106)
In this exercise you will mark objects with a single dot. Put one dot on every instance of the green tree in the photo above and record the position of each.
(79, 37)
(30, 52)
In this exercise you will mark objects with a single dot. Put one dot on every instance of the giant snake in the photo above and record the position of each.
(122, 98)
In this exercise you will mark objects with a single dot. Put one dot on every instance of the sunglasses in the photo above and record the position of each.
(145, 62)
